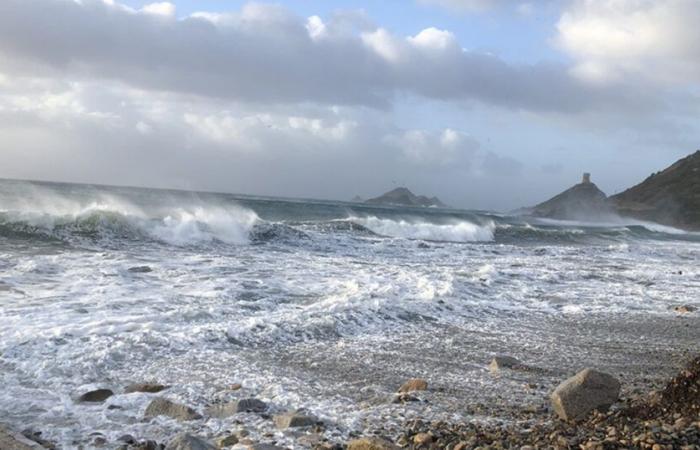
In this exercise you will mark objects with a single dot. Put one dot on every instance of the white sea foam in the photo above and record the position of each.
(457, 231)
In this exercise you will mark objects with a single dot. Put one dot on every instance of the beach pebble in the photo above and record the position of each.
(373, 443)
(226, 441)
(235, 407)
(186, 441)
(163, 407)
(150, 388)
(414, 384)
(504, 362)
(586, 391)
(293, 420)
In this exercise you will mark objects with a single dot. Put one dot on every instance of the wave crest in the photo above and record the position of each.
(456, 231)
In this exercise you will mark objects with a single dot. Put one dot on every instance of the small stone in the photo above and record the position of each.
(163, 407)
(373, 443)
(146, 445)
(422, 439)
(186, 441)
(236, 387)
(414, 384)
(150, 388)
(259, 446)
(226, 441)
(99, 441)
(96, 396)
(684, 309)
(293, 420)
(588, 390)
(504, 362)
(239, 406)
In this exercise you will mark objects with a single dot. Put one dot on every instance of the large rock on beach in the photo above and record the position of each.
(414, 384)
(371, 443)
(294, 420)
(186, 441)
(586, 391)
(164, 407)
(235, 407)
(150, 388)
(96, 396)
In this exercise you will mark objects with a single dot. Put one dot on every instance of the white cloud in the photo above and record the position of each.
(612, 40)
(165, 9)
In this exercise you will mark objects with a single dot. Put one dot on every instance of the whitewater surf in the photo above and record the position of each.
(319, 305)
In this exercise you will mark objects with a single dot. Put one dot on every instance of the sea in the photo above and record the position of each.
(325, 307)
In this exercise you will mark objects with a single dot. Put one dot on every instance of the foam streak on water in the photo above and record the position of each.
(310, 304)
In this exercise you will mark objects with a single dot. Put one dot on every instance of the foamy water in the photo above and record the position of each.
(310, 305)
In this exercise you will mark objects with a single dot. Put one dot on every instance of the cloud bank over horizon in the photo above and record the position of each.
(265, 100)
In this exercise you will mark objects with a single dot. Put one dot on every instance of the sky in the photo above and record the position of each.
(488, 104)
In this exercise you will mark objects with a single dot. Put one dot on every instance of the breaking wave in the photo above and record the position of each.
(457, 231)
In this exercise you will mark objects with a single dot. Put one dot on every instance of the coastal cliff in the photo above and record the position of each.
(670, 197)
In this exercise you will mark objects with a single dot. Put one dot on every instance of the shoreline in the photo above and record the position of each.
(514, 401)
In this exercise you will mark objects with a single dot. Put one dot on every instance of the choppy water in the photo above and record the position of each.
(320, 305)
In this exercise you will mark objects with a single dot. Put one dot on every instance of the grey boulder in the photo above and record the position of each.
(586, 391)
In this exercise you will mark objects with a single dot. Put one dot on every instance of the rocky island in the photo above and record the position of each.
(403, 197)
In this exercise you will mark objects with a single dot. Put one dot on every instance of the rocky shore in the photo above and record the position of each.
(585, 411)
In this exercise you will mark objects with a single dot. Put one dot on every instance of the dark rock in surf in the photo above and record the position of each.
(583, 393)
(684, 309)
(140, 269)
(293, 420)
(96, 396)
(164, 407)
(238, 406)
(150, 388)
(186, 441)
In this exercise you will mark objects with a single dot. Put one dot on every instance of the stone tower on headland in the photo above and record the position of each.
(586, 178)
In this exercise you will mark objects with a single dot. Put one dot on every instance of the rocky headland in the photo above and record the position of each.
(670, 197)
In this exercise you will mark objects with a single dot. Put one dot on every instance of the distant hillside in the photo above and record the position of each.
(583, 201)
(670, 197)
(402, 196)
